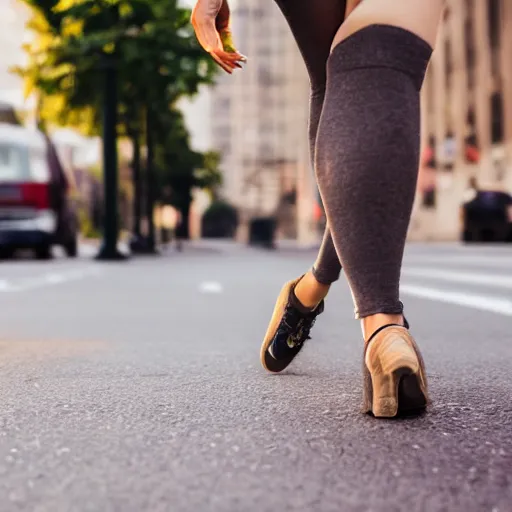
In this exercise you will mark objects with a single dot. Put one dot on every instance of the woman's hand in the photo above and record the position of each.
(210, 19)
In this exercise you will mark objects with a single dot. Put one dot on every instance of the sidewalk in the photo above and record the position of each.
(89, 247)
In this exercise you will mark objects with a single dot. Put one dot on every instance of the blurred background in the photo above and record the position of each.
(136, 386)
(154, 142)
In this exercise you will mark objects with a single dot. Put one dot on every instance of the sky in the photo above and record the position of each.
(12, 35)
(196, 112)
(13, 16)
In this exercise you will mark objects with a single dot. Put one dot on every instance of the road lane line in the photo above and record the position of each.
(493, 280)
(210, 287)
(482, 302)
(463, 259)
(48, 279)
(4, 285)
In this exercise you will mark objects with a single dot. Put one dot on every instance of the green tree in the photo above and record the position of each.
(146, 46)
(179, 168)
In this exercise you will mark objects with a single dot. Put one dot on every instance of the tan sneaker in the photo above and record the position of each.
(288, 330)
(394, 374)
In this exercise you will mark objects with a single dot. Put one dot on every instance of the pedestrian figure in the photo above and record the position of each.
(180, 231)
(471, 190)
(366, 61)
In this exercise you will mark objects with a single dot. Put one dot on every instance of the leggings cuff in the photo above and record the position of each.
(324, 278)
(392, 308)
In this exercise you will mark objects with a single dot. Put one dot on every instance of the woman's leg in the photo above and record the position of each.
(367, 158)
(367, 151)
(314, 24)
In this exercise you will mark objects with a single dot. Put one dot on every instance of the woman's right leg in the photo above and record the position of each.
(314, 24)
(367, 148)
(367, 159)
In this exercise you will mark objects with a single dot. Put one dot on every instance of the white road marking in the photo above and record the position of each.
(4, 285)
(482, 302)
(88, 251)
(49, 279)
(55, 278)
(210, 287)
(502, 260)
(493, 280)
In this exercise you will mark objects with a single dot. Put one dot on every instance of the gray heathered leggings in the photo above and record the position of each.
(365, 136)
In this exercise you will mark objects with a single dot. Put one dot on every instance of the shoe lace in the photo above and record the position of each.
(298, 325)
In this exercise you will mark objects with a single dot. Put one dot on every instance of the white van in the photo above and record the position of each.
(35, 211)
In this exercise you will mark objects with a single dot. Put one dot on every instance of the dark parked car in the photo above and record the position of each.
(35, 209)
(487, 217)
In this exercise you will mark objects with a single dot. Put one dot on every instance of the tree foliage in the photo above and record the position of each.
(179, 167)
(150, 42)
(158, 60)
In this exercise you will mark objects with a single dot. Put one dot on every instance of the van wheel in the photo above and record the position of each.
(44, 252)
(467, 236)
(6, 253)
(71, 248)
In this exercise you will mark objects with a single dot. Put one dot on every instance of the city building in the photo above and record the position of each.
(259, 116)
(467, 114)
(259, 123)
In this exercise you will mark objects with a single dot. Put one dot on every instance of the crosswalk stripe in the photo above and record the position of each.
(501, 261)
(48, 279)
(211, 287)
(492, 280)
(482, 302)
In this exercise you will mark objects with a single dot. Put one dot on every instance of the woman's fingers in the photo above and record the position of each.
(228, 61)
(218, 45)
(219, 61)
(230, 57)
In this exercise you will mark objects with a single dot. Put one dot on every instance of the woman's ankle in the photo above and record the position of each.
(310, 292)
(370, 324)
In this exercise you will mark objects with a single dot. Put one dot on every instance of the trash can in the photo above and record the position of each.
(262, 232)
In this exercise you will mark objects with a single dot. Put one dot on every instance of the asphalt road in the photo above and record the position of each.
(136, 387)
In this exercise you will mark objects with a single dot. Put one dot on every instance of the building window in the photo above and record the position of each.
(448, 62)
(258, 13)
(265, 51)
(493, 10)
(429, 198)
(470, 50)
(497, 118)
(266, 150)
(266, 127)
(225, 103)
(264, 76)
(225, 149)
(224, 131)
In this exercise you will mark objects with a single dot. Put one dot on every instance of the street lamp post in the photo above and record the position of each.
(137, 199)
(150, 181)
(108, 250)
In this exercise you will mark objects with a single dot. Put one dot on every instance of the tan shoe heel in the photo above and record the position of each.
(394, 373)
